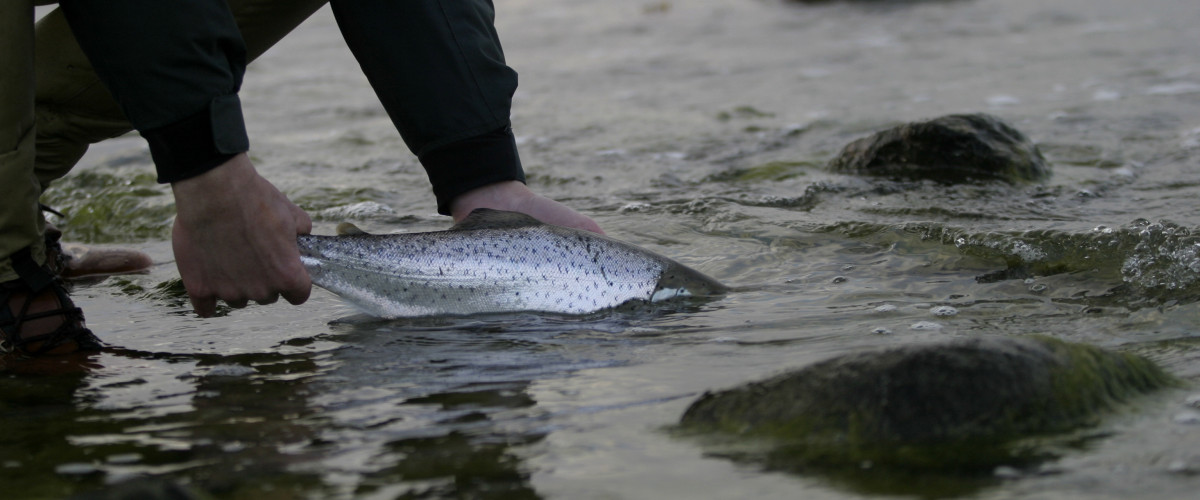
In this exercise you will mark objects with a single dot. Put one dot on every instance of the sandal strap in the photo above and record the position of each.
(37, 279)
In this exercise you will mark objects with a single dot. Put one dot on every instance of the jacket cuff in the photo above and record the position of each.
(461, 166)
(199, 143)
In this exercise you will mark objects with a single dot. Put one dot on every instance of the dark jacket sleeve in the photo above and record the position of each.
(175, 68)
(439, 71)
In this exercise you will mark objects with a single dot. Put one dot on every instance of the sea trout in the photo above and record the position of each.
(494, 261)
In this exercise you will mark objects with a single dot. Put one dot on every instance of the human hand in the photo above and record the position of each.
(517, 197)
(235, 239)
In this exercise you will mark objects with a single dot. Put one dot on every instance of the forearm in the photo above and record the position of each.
(175, 68)
(438, 68)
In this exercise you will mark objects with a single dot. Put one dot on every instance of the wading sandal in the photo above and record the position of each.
(37, 317)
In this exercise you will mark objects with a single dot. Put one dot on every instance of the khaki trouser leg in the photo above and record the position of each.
(73, 109)
(20, 218)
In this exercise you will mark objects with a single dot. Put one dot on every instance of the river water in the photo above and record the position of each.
(698, 129)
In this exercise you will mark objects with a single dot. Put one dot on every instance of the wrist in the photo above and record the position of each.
(504, 195)
(196, 195)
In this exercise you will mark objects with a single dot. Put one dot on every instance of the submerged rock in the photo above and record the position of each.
(953, 148)
(953, 405)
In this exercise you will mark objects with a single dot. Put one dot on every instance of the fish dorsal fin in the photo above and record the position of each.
(348, 229)
(486, 218)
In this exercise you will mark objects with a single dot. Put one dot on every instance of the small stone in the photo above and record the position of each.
(881, 331)
(885, 308)
(926, 325)
(839, 279)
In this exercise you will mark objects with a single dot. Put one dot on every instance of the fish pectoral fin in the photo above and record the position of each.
(348, 229)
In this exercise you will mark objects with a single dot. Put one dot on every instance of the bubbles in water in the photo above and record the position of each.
(1165, 256)
(75, 469)
(944, 311)
(886, 308)
(1188, 418)
(1001, 100)
(1026, 252)
(1177, 88)
(1180, 467)
(1193, 401)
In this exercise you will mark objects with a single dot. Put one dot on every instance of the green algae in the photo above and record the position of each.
(768, 172)
(170, 293)
(102, 207)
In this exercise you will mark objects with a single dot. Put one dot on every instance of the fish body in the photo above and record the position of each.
(495, 261)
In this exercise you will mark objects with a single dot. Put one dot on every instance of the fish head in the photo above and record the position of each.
(678, 280)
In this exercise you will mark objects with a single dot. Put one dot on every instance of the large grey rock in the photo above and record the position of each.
(953, 148)
(956, 404)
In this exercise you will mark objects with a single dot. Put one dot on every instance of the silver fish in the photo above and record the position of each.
(494, 261)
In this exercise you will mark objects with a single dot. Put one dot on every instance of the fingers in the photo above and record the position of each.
(205, 307)
(296, 291)
(303, 221)
(297, 296)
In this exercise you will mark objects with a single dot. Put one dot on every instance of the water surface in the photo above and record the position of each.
(698, 129)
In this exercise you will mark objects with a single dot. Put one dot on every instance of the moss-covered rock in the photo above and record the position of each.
(952, 405)
(950, 149)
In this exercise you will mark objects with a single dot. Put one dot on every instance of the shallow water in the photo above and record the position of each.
(698, 129)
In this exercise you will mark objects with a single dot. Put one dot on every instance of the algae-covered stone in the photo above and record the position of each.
(952, 404)
(953, 148)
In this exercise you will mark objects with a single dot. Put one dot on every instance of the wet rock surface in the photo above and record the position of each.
(956, 405)
(949, 149)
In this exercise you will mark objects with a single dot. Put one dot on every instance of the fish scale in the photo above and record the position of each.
(492, 262)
